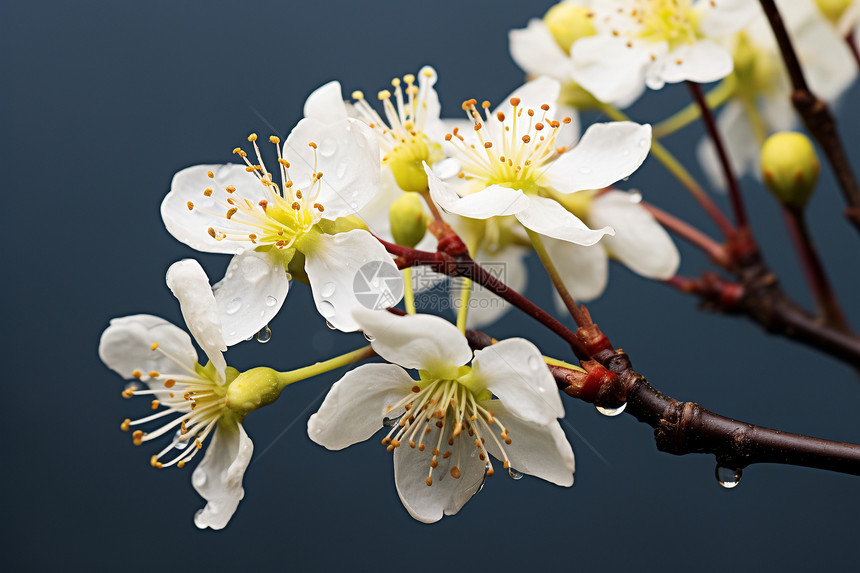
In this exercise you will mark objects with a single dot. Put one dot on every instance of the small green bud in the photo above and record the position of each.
(790, 168)
(567, 23)
(833, 9)
(408, 220)
(407, 161)
(253, 389)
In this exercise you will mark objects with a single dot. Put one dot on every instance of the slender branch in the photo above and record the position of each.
(722, 154)
(816, 116)
(682, 428)
(715, 251)
(813, 269)
(454, 261)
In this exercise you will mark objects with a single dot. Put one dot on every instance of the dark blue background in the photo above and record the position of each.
(104, 101)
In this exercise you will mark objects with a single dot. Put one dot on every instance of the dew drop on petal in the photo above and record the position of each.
(328, 147)
(534, 362)
(368, 337)
(515, 474)
(326, 309)
(234, 305)
(643, 143)
(612, 411)
(330, 325)
(271, 301)
(264, 335)
(727, 477)
(328, 289)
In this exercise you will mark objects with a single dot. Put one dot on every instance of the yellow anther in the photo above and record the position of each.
(515, 101)
(211, 232)
(128, 393)
(429, 481)
(544, 106)
(395, 82)
(384, 94)
(155, 404)
(154, 374)
(485, 104)
(409, 78)
(231, 212)
(180, 464)
(312, 144)
(125, 425)
(137, 374)
(230, 189)
(208, 191)
(296, 206)
(153, 346)
(210, 175)
(284, 162)
(358, 95)
(252, 138)
(137, 437)
(169, 383)
(274, 139)
(190, 205)
(455, 472)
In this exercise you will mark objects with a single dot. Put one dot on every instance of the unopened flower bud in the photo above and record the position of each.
(567, 23)
(790, 168)
(407, 161)
(408, 220)
(833, 9)
(253, 389)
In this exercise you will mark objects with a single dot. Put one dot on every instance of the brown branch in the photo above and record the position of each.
(816, 116)
(715, 251)
(682, 428)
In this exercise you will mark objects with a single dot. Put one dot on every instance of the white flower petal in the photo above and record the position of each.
(348, 271)
(357, 404)
(417, 341)
(535, 51)
(192, 226)
(548, 217)
(826, 58)
(535, 449)
(325, 104)
(189, 283)
(508, 264)
(347, 155)
(250, 294)
(447, 494)
(515, 372)
(725, 17)
(639, 242)
(126, 346)
(702, 62)
(609, 69)
(584, 270)
(218, 478)
(606, 153)
(493, 201)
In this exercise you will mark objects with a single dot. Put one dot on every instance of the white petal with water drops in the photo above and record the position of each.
(250, 294)
(218, 478)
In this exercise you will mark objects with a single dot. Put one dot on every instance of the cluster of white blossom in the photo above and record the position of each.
(509, 178)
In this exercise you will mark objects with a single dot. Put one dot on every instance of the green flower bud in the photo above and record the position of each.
(567, 23)
(790, 168)
(253, 389)
(407, 161)
(833, 9)
(408, 220)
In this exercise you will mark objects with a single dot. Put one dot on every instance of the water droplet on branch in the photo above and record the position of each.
(727, 477)
(612, 411)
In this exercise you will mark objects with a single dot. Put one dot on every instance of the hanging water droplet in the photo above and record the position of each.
(179, 445)
(328, 290)
(264, 335)
(234, 305)
(368, 337)
(330, 325)
(271, 301)
(728, 477)
(612, 411)
(515, 474)
(289, 277)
